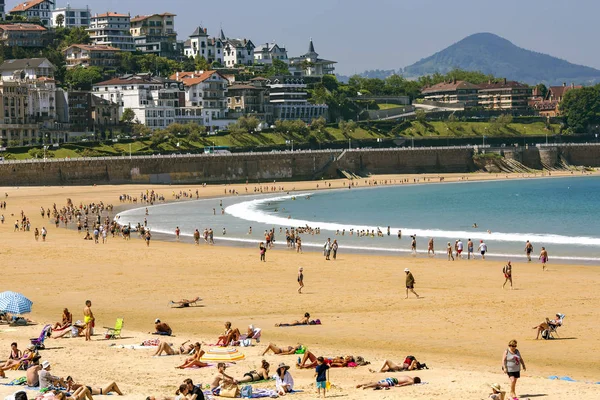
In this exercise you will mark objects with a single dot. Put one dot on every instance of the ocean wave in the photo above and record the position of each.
(250, 211)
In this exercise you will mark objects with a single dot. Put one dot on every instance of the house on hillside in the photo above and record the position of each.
(155, 34)
(289, 98)
(550, 105)
(23, 35)
(454, 92)
(266, 53)
(32, 9)
(238, 52)
(71, 17)
(199, 44)
(91, 56)
(111, 29)
(250, 98)
(310, 64)
(504, 95)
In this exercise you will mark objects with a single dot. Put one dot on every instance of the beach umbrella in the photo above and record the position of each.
(14, 303)
(222, 354)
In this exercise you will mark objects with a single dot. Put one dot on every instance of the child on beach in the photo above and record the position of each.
(263, 250)
(449, 251)
(321, 373)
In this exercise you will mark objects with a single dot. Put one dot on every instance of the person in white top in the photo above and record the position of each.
(459, 249)
(283, 380)
(482, 248)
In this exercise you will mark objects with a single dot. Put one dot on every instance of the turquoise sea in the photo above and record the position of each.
(558, 213)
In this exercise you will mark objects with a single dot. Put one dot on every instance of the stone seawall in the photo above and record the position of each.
(266, 167)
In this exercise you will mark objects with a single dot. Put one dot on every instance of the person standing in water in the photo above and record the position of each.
(507, 271)
(470, 249)
(543, 258)
(430, 250)
(300, 279)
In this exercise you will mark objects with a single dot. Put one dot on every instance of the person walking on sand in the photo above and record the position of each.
(88, 320)
(197, 237)
(430, 250)
(449, 251)
(177, 232)
(482, 248)
(300, 279)
(528, 250)
(263, 249)
(334, 248)
(459, 249)
(543, 258)
(507, 271)
(327, 249)
(147, 237)
(511, 365)
(470, 249)
(44, 233)
(410, 282)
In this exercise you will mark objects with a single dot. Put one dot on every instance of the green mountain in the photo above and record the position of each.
(494, 55)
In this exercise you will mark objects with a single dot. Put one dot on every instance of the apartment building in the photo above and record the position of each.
(23, 35)
(454, 92)
(289, 99)
(90, 113)
(205, 94)
(154, 100)
(91, 56)
(249, 98)
(310, 64)
(155, 34)
(238, 52)
(266, 53)
(504, 95)
(35, 9)
(71, 17)
(111, 29)
(2, 10)
(15, 125)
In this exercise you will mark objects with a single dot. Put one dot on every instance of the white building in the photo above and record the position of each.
(238, 52)
(205, 96)
(266, 53)
(31, 9)
(154, 100)
(111, 29)
(289, 99)
(199, 44)
(72, 17)
(310, 64)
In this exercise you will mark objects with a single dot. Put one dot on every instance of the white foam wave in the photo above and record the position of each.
(250, 211)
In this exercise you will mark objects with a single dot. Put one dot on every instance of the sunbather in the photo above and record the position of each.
(391, 382)
(79, 394)
(164, 347)
(185, 302)
(303, 321)
(33, 379)
(74, 330)
(162, 328)
(111, 387)
(194, 361)
(309, 360)
(281, 351)
(24, 360)
(260, 374)
(15, 319)
(546, 325)
(67, 320)
(409, 364)
(229, 335)
(184, 393)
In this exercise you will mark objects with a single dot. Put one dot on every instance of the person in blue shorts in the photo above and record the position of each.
(321, 372)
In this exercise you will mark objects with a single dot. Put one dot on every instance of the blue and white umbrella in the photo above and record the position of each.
(15, 303)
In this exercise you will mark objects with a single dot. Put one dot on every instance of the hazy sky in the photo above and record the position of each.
(382, 34)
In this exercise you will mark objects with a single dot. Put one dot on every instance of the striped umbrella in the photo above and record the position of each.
(14, 303)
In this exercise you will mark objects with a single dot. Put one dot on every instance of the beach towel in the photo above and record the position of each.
(562, 378)
(17, 382)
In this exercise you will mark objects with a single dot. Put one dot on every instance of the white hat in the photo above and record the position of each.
(496, 387)
(45, 364)
(251, 327)
(156, 321)
(406, 270)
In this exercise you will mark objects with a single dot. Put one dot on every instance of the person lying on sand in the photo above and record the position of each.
(229, 335)
(80, 394)
(185, 302)
(303, 321)
(260, 374)
(102, 391)
(410, 363)
(67, 320)
(164, 347)
(283, 351)
(309, 360)
(14, 320)
(194, 361)
(390, 382)
(74, 330)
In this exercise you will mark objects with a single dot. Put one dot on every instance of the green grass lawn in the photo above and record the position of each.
(474, 129)
(387, 106)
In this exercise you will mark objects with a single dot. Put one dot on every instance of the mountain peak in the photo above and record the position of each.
(492, 54)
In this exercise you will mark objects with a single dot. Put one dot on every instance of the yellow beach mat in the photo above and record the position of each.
(224, 354)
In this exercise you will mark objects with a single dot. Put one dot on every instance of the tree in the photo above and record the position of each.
(330, 82)
(542, 89)
(81, 78)
(60, 20)
(580, 108)
(201, 64)
(420, 116)
(244, 124)
(318, 124)
(128, 116)
(215, 64)
(276, 68)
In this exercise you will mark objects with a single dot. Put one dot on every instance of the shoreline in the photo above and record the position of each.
(459, 328)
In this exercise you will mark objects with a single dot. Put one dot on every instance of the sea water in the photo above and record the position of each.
(557, 213)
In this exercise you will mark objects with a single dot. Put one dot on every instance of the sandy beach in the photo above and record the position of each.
(459, 328)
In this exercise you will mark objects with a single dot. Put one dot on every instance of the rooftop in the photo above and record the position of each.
(193, 78)
(22, 27)
(449, 86)
(504, 84)
(26, 5)
(110, 14)
(98, 47)
(138, 18)
(135, 79)
(9, 65)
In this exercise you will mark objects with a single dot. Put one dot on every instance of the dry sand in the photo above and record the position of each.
(459, 328)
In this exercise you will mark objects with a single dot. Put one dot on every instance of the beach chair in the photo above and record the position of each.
(39, 341)
(114, 333)
(549, 333)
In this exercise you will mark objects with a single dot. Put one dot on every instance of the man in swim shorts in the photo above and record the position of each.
(88, 320)
(391, 382)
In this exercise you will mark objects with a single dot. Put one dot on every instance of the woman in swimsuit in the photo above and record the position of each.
(111, 387)
(67, 320)
(164, 347)
(25, 358)
(280, 351)
(80, 394)
(229, 335)
(303, 321)
(257, 375)
(194, 361)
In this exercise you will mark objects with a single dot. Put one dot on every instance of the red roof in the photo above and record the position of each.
(22, 27)
(557, 92)
(110, 14)
(449, 87)
(98, 47)
(143, 17)
(26, 5)
(502, 85)
(186, 77)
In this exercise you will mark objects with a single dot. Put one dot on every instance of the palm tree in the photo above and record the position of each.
(60, 20)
